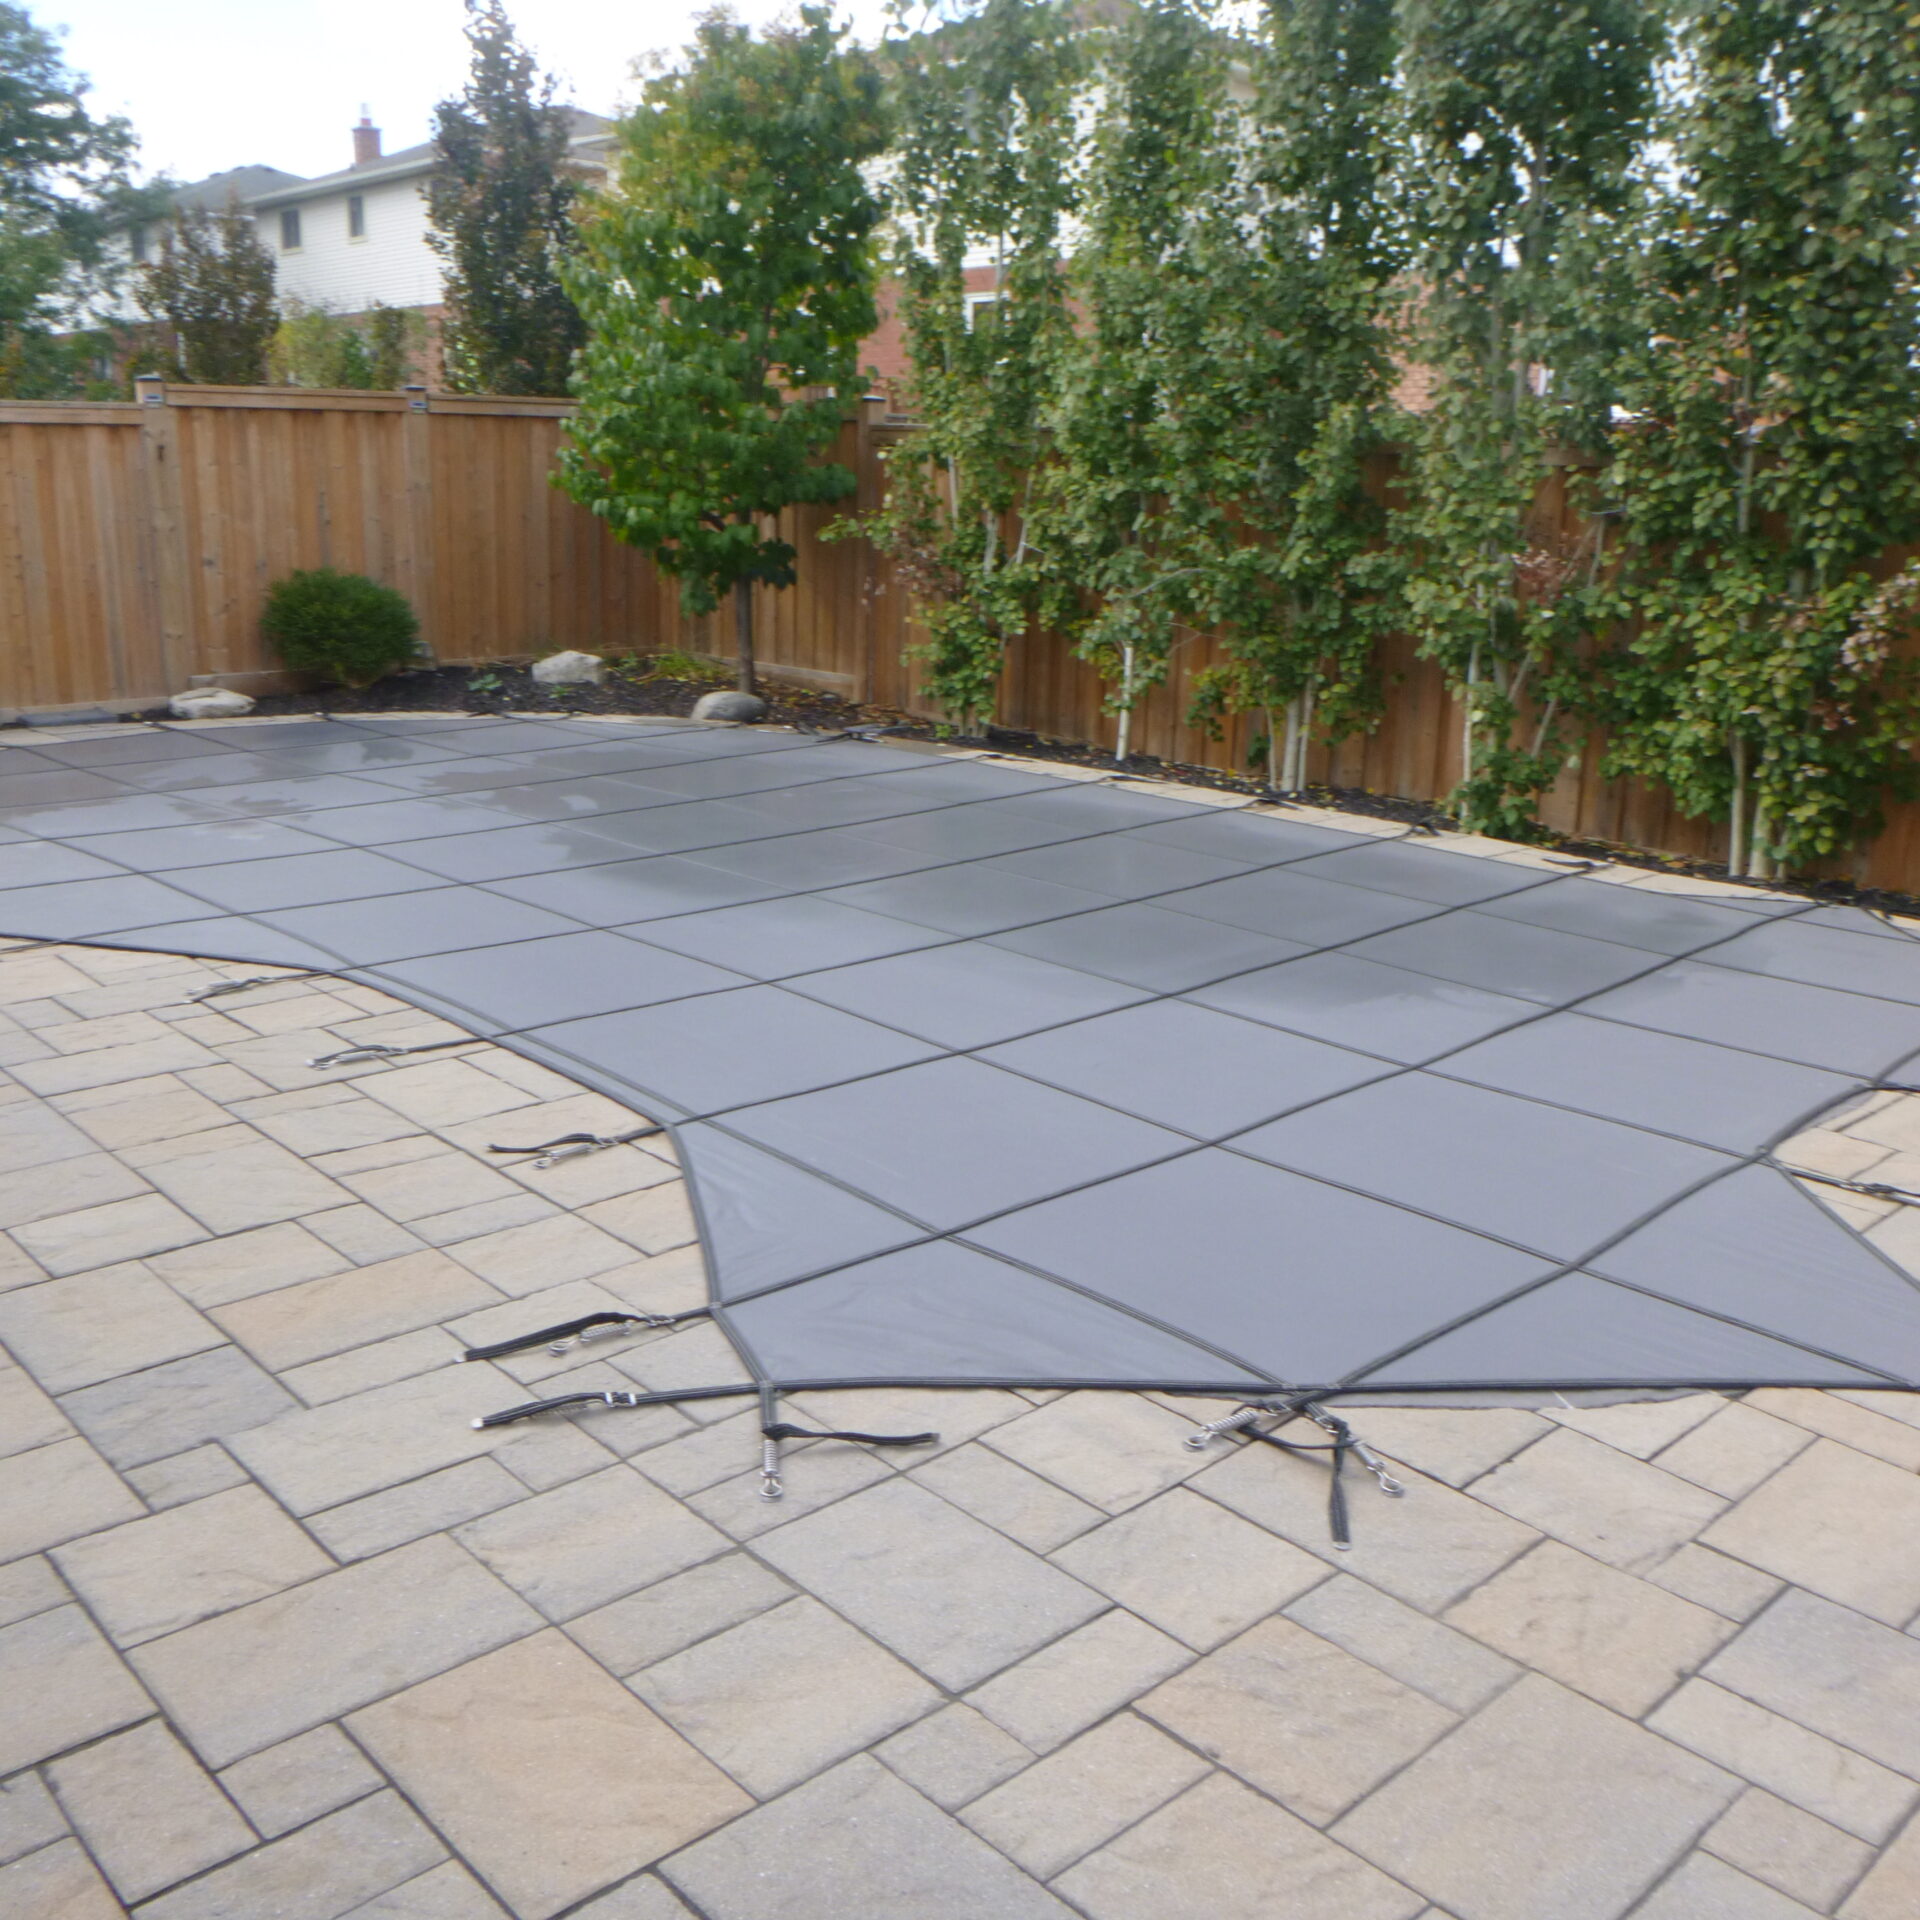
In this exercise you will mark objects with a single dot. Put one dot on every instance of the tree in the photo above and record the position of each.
(501, 202)
(1215, 412)
(1524, 120)
(63, 180)
(211, 292)
(727, 279)
(1768, 449)
(315, 347)
(984, 168)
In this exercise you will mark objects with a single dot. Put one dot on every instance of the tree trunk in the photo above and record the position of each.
(743, 634)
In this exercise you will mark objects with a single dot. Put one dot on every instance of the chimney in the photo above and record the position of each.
(366, 142)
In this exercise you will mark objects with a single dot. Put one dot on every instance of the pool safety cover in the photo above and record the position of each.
(981, 1076)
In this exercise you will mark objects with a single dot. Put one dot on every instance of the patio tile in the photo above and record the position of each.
(321, 1872)
(248, 1679)
(295, 1324)
(233, 1178)
(679, 1612)
(1708, 1889)
(27, 1417)
(1453, 1444)
(954, 1598)
(1427, 1549)
(154, 1576)
(1110, 1449)
(590, 1541)
(1601, 1632)
(1081, 1796)
(70, 1073)
(1890, 1890)
(192, 1475)
(854, 1844)
(63, 1686)
(58, 1492)
(542, 1254)
(1790, 1851)
(1840, 1786)
(29, 1817)
(242, 1264)
(60, 1882)
(1832, 1670)
(777, 1699)
(1298, 1718)
(1710, 1579)
(28, 1587)
(1221, 1852)
(78, 1331)
(286, 1786)
(1734, 1451)
(1885, 1430)
(1079, 1679)
(1463, 1823)
(361, 1528)
(1445, 1665)
(551, 1779)
(445, 1892)
(162, 1411)
(402, 1356)
(1007, 1497)
(1837, 1523)
(147, 1812)
(71, 1243)
(954, 1756)
(1620, 1510)
(1192, 1568)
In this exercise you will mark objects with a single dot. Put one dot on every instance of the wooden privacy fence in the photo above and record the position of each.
(138, 540)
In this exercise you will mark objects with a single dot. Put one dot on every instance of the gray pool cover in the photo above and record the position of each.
(984, 1076)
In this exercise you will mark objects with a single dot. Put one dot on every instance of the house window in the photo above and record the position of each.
(289, 229)
(977, 303)
(137, 242)
(356, 216)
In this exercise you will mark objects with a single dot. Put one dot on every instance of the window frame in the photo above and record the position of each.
(291, 238)
(356, 216)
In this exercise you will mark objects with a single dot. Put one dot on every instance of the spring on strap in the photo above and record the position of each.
(1340, 1442)
(570, 1146)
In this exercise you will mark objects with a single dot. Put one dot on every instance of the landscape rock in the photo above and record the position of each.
(729, 704)
(209, 703)
(570, 670)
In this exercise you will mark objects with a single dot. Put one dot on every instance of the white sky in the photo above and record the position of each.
(212, 84)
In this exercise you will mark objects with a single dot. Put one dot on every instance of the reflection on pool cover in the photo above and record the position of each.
(980, 1075)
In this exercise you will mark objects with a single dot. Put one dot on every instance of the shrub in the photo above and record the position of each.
(342, 625)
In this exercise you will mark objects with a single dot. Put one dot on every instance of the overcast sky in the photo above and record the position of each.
(212, 84)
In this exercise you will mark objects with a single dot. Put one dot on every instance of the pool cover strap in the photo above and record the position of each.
(589, 1326)
(1341, 1441)
(783, 1430)
(569, 1146)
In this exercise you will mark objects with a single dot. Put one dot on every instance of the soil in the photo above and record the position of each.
(503, 688)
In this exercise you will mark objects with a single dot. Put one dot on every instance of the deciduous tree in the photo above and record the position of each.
(727, 279)
(211, 296)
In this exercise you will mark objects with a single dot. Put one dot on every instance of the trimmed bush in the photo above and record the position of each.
(342, 625)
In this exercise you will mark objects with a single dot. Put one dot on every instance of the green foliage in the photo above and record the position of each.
(63, 184)
(313, 347)
(727, 279)
(686, 667)
(1523, 120)
(501, 201)
(1769, 445)
(342, 625)
(1215, 418)
(211, 295)
(984, 168)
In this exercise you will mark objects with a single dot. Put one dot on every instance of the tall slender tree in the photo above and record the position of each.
(1524, 120)
(727, 279)
(211, 297)
(984, 185)
(501, 202)
(1768, 451)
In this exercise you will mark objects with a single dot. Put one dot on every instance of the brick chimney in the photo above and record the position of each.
(366, 142)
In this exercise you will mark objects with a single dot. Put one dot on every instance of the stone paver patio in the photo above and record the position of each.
(282, 1634)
